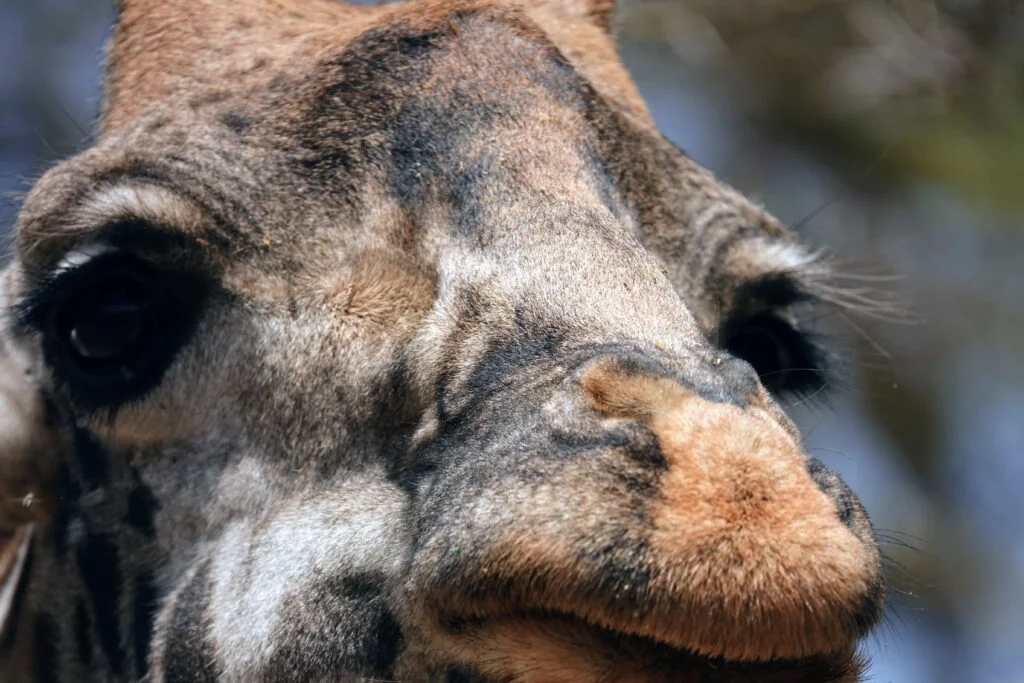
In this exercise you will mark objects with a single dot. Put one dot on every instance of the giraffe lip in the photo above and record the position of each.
(641, 659)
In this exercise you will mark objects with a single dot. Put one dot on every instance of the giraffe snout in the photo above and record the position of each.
(744, 530)
(688, 533)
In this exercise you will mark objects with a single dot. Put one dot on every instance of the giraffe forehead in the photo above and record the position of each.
(429, 73)
(171, 51)
(405, 123)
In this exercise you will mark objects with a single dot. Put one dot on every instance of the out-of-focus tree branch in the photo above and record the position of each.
(936, 85)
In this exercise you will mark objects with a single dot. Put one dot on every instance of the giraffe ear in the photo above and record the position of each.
(599, 12)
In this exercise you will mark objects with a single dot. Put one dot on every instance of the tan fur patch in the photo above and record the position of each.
(379, 291)
(741, 531)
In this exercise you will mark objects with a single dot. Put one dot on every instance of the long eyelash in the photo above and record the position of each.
(115, 243)
(775, 290)
(825, 278)
(814, 377)
(780, 303)
(31, 312)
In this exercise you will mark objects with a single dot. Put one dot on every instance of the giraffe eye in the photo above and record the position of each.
(112, 326)
(786, 359)
(759, 343)
(108, 324)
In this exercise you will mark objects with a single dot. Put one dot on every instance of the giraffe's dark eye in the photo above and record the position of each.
(785, 358)
(108, 324)
(112, 326)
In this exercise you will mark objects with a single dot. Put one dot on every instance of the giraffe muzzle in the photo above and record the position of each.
(691, 537)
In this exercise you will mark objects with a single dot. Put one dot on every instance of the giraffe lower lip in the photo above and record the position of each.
(564, 649)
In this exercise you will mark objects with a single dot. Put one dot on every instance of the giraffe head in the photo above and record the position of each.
(395, 341)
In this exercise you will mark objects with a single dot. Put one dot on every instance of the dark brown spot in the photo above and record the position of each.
(235, 121)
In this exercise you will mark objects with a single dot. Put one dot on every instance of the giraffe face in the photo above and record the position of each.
(395, 341)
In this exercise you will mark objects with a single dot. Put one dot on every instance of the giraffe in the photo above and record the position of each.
(395, 343)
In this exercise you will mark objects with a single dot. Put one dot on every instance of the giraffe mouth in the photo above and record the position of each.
(556, 648)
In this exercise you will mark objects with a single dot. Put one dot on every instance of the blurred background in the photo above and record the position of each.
(890, 131)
